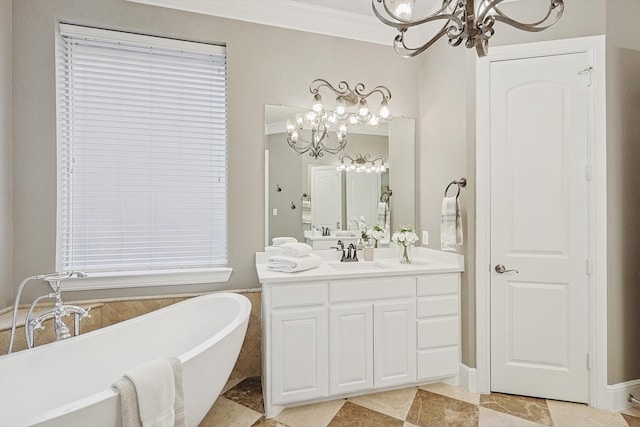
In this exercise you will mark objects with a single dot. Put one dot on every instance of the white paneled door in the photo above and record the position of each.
(539, 226)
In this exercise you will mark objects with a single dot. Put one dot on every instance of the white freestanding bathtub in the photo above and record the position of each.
(68, 383)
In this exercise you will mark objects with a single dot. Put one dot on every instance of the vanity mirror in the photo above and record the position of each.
(302, 191)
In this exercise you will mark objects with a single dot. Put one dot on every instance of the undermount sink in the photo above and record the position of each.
(357, 266)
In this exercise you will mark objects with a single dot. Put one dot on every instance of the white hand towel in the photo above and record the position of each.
(178, 404)
(277, 241)
(384, 216)
(450, 224)
(156, 392)
(306, 211)
(290, 264)
(296, 249)
(128, 403)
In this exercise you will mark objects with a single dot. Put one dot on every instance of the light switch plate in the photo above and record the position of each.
(425, 238)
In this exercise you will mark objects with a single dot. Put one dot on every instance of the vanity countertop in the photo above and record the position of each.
(332, 236)
(385, 264)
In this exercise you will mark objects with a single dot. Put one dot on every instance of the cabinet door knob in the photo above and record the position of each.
(502, 269)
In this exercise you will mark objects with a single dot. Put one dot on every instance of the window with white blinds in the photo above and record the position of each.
(142, 153)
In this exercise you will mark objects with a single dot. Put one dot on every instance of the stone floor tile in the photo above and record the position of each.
(264, 422)
(454, 392)
(566, 414)
(529, 408)
(248, 393)
(395, 403)
(633, 411)
(491, 418)
(352, 415)
(231, 383)
(631, 420)
(313, 415)
(435, 410)
(227, 413)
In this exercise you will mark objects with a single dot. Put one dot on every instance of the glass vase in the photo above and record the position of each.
(405, 254)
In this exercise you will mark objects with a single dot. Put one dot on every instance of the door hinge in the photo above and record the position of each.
(588, 73)
(588, 266)
(587, 172)
(588, 361)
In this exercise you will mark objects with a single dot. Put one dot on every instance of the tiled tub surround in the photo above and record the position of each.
(346, 329)
(110, 312)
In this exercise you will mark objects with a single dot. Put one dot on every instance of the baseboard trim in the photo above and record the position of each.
(619, 393)
(468, 378)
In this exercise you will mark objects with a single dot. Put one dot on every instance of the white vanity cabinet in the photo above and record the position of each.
(349, 336)
(298, 342)
(438, 323)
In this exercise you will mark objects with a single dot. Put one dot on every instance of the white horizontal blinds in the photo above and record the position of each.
(142, 155)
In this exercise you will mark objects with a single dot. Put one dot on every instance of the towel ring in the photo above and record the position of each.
(384, 197)
(462, 182)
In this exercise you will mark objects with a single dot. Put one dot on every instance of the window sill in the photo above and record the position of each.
(141, 279)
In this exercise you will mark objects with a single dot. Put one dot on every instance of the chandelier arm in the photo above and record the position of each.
(401, 22)
(524, 26)
(382, 90)
(403, 50)
(490, 5)
(343, 86)
(296, 148)
(555, 5)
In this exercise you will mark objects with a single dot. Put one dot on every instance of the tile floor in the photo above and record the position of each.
(437, 405)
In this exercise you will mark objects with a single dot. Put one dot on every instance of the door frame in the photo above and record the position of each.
(594, 47)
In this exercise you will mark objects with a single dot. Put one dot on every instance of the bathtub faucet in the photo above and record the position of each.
(57, 312)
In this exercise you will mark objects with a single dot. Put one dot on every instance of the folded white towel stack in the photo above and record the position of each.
(450, 224)
(278, 241)
(289, 264)
(295, 249)
(152, 395)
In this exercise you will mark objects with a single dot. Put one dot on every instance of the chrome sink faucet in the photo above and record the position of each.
(352, 257)
(341, 248)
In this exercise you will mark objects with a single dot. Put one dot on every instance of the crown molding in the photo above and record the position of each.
(289, 14)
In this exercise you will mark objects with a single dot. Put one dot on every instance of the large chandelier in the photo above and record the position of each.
(467, 21)
(319, 121)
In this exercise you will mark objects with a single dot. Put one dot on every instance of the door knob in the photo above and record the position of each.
(502, 269)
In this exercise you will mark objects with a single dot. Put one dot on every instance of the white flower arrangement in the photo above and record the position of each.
(361, 226)
(377, 233)
(406, 236)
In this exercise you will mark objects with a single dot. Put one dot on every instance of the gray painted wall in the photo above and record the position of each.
(6, 226)
(266, 65)
(623, 189)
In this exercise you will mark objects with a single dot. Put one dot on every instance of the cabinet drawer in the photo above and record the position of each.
(437, 332)
(372, 289)
(443, 305)
(438, 363)
(438, 284)
(298, 295)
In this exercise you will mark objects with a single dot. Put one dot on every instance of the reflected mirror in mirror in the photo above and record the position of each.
(302, 192)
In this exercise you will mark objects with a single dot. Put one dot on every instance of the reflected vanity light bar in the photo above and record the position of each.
(319, 121)
(362, 164)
